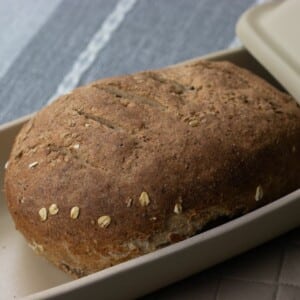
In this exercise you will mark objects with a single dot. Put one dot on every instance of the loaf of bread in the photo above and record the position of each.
(127, 165)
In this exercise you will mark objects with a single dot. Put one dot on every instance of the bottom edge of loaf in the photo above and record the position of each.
(78, 266)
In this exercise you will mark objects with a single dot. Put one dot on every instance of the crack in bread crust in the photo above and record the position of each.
(133, 97)
(100, 120)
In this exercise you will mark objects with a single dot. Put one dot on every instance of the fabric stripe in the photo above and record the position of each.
(36, 73)
(19, 22)
(158, 34)
(98, 42)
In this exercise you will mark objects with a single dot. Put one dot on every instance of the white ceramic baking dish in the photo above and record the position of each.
(23, 274)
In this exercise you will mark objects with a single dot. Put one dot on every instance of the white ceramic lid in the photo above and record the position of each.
(271, 33)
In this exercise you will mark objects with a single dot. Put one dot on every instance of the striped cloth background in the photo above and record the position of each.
(50, 47)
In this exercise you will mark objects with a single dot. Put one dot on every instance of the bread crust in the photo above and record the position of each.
(157, 155)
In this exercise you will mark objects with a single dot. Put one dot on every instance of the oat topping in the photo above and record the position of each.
(129, 202)
(32, 165)
(193, 123)
(53, 209)
(87, 125)
(178, 208)
(144, 199)
(76, 146)
(132, 246)
(153, 218)
(104, 221)
(6, 165)
(36, 247)
(74, 213)
(124, 102)
(71, 123)
(43, 214)
(259, 193)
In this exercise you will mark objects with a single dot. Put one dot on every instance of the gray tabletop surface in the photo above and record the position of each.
(50, 47)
